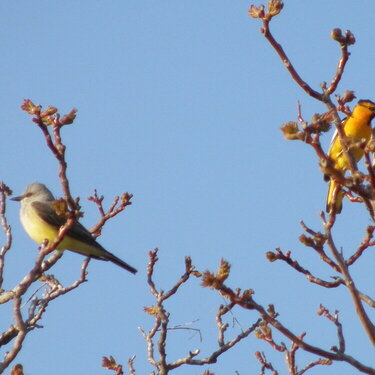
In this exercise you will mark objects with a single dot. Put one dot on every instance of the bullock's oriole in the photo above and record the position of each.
(356, 126)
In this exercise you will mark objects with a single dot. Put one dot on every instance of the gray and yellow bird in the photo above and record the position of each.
(40, 221)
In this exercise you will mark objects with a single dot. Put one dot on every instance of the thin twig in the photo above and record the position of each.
(4, 192)
(119, 204)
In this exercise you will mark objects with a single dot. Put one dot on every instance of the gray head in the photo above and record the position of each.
(35, 192)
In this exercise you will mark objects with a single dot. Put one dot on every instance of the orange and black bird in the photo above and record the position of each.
(356, 126)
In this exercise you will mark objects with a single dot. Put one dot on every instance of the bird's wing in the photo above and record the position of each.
(48, 214)
(335, 134)
(77, 231)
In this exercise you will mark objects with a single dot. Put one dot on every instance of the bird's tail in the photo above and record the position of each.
(100, 253)
(334, 198)
(113, 258)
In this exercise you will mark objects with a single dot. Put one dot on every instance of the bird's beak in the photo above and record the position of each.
(17, 199)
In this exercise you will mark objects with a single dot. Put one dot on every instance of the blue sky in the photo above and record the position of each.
(179, 103)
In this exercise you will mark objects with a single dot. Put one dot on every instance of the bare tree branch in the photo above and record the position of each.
(246, 301)
(4, 192)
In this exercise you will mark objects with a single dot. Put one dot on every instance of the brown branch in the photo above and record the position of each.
(279, 255)
(163, 317)
(367, 299)
(214, 356)
(274, 8)
(264, 332)
(305, 346)
(246, 301)
(323, 311)
(131, 365)
(21, 328)
(318, 362)
(150, 343)
(161, 324)
(119, 204)
(153, 255)
(349, 282)
(4, 192)
(286, 61)
(160, 314)
(55, 290)
(344, 44)
(189, 270)
(286, 257)
(290, 358)
(365, 244)
(222, 327)
(8, 335)
(261, 357)
(50, 118)
(370, 169)
(21, 332)
(317, 243)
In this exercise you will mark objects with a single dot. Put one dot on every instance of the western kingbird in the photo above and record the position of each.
(40, 221)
